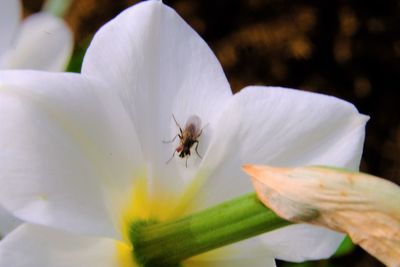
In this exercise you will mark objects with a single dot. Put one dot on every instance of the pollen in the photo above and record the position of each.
(124, 255)
(141, 206)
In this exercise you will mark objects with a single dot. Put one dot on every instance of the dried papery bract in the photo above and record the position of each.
(365, 207)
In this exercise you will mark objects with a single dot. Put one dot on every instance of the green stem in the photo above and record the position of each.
(167, 244)
(57, 8)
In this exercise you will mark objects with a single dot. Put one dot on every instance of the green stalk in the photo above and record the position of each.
(57, 8)
(167, 244)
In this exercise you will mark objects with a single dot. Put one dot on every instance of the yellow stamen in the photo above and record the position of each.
(143, 205)
(124, 255)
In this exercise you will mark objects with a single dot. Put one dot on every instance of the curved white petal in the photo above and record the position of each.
(7, 222)
(43, 42)
(302, 242)
(10, 15)
(251, 261)
(31, 245)
(160, 67)
(68, 151)
(249, 250)
(280, 127)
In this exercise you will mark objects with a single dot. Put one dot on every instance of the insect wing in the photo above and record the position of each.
(193, 124)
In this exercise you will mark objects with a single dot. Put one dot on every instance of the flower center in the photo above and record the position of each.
(141, 207)
(156, 235)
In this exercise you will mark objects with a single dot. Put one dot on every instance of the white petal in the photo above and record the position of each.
(249, 250)
(251, 261)
(280, 127)
(302, 242)
(7, 222)
(160, 67)
(43, 42)
(10, 15)
(31, 245)
(67, 148)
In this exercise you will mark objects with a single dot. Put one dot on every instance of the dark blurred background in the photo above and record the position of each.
(348, 49)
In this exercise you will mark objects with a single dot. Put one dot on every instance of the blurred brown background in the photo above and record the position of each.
(349, 49)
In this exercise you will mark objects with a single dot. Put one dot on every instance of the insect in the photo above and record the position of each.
(187, 137)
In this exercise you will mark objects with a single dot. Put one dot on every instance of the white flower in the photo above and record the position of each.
(40, 42)
(83, 154)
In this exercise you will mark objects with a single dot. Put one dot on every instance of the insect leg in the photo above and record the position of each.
(177, 124)
(173, 139)
(178, 135)
(168, 161)
(197, 145)
(201, 131)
